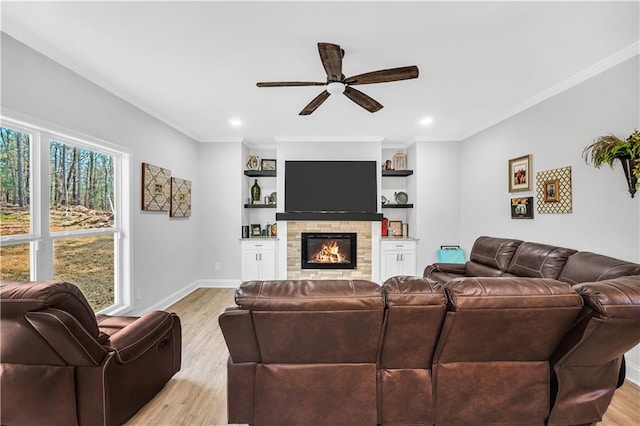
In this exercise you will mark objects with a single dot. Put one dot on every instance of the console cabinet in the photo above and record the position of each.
(397, 257)
(258, 259)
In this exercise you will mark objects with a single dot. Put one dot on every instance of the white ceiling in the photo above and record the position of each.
(194, 65)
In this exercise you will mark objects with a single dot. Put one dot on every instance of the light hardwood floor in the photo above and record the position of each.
(197, 394)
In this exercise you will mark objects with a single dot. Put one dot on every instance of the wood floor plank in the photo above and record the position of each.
(197, 394)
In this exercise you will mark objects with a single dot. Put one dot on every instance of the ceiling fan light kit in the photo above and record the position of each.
(331, 56)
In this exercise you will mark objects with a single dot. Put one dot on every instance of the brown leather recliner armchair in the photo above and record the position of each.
(62, 365)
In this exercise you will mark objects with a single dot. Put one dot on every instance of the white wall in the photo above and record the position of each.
(219, 208)
(163, 249)
(437, 187)
(605, 217)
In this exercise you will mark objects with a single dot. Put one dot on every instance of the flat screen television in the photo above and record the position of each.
(330, 186)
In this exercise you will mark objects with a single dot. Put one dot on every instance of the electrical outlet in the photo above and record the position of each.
(216, 266)
(138, 294)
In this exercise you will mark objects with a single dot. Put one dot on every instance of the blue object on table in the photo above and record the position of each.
(451, 254)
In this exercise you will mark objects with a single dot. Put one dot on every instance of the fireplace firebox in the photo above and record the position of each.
(325, 250)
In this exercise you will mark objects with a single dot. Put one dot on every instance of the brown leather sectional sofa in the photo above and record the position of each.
(472, 351)
(505, 257)
(62, 365)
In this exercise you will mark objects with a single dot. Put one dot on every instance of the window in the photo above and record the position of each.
(74, 228)
(15, 205)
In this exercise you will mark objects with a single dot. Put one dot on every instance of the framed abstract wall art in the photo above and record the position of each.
(180, 198)
(553, 190)
(156, 188)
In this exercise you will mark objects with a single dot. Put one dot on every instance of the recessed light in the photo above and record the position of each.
(235, 122)
(425, 121)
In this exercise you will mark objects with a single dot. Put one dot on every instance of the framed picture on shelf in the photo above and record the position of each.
(400, 161)
(395, 228)
(552, 191)
(256, 230)
(522, 208)
(520, 174)
(268, 164)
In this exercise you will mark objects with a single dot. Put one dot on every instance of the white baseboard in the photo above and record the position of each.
(183, 292)
(218, 283)
(633, 373)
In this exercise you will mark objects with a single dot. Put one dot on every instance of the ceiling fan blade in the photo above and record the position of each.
(315, 103)
(365, 101)
(331, 57)
(383, 76)
(289, 83)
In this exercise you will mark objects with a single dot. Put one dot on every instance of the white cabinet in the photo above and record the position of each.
(258, 259)
(398, 257)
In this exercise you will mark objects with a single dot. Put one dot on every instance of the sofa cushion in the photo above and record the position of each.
(585, 266)
(20, 297)
(318, 295)
(539, 260)
(494, 252)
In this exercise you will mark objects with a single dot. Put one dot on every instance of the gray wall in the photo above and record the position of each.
(164, 258)
(605, 218)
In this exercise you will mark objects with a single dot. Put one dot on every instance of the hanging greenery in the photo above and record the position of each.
(606, 149)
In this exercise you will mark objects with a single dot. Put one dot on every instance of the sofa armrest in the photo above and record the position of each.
(451, 268)
(138, 337)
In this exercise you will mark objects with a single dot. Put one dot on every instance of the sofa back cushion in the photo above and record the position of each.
(588, 267)
(21, 343)
(416, 309)
(524, 319)
(496, 253)
(539, 260)
(321, 321)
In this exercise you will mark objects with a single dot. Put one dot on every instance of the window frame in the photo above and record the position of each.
(41, 239)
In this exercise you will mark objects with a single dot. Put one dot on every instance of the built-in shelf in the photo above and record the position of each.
(260, 173)
(397, 206)
(397, 172)
(260, 206)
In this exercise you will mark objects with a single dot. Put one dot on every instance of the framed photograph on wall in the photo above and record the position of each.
(520, 175)
(552, 191)
(522, 208)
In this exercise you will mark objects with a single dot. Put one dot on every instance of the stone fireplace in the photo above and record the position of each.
(361, 230)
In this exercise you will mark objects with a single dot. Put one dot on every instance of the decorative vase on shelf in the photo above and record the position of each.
(255, 192)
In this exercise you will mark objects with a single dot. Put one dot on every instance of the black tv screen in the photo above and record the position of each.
(330, 186)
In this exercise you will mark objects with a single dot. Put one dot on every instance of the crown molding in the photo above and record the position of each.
(589, 72)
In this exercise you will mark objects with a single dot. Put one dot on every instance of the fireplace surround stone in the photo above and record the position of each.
(363, 232)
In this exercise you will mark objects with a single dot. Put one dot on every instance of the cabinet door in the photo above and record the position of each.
(390, 265)
(408, 262)
(250, 265)
(267, 264)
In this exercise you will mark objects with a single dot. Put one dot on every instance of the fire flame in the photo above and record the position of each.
(329, 253)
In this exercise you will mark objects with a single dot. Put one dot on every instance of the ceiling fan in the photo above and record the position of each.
(331, 56)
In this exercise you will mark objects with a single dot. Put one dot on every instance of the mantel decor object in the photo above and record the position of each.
(609, 148)
(255, 192)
